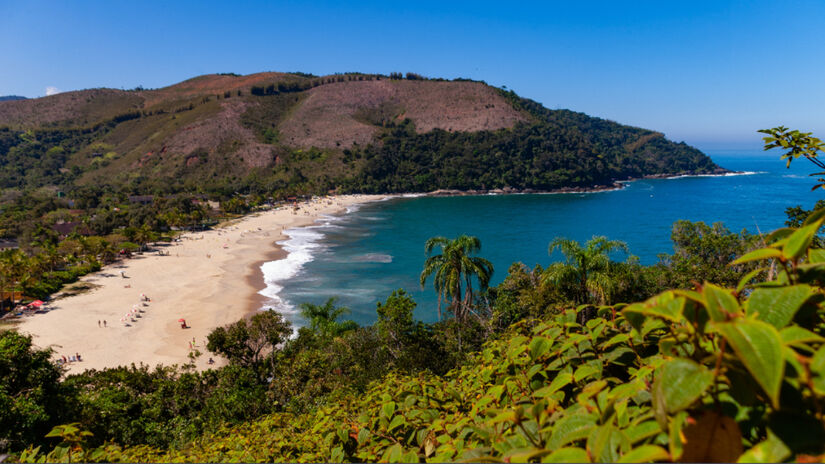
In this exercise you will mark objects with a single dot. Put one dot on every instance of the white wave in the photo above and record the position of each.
(300, 246)
(795, 176)
(373, 258)
(727, 174)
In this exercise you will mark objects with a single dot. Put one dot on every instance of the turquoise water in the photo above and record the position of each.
(361, 257)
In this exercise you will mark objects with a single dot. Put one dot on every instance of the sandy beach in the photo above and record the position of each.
(209, 278)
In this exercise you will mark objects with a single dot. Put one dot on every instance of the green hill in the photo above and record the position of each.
(292, 132)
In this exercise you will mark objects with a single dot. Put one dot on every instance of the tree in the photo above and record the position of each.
(32, 398)
(455, 269)
(323, 319)
(395, 321)
(247, 341)
(15, 269)
(144, 235)
(704, 253)
(586, 270)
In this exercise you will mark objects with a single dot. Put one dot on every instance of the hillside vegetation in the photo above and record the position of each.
(287, 133)
(714, 354)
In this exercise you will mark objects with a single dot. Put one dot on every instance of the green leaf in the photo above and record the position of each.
(584, 372)
(756, 255)
(800, 240)
(759, 347)
(646, 453)
(539, 346)
(719, 302)
(778, 305)
(770, 450)
(618, 338)
(743, 282)
(795, 335)
(598, 440)
(363, 435)
(816, 255)
(571, 428)
(560, 381)
(814, 217)
(680, 383)
(641, 431)
(388, 409)
(567, 455)
(396, 421)
(818, 369)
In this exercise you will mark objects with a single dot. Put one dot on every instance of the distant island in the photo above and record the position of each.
(11, 98)
(295, 133)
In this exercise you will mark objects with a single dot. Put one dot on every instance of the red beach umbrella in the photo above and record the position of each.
(36, 303)
(181, 320)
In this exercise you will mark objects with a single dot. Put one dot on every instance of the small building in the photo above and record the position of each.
(64, 229)
(141, 199)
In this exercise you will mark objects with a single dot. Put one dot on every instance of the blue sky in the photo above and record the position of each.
(709, 73)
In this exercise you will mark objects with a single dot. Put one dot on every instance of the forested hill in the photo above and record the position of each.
(287, 133)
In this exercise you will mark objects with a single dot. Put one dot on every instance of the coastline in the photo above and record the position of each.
(617, 185)
(209, 278)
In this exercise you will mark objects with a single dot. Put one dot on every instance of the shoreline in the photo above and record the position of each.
(207, 291)
(617, 185)
(209, 278)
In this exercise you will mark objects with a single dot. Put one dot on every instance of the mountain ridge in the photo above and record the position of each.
(305, 133)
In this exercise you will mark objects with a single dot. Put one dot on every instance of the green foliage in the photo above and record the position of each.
(247, 342)
(586, 271)
(693, 375)
(323, 319)
(704, 253)
(556, 149)
(453, 270)
(31, 396)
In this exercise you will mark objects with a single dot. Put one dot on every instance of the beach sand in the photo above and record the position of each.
(209, 278)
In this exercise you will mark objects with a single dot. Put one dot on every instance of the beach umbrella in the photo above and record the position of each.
(36, 303)
(181, 320)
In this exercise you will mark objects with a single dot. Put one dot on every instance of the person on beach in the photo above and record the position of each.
(78, 357)
(104, 322)
(98, 323)
(64, 359)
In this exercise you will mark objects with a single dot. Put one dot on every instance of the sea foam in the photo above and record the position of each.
(300, 246)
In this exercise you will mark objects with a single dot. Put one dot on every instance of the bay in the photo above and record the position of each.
(361, 257)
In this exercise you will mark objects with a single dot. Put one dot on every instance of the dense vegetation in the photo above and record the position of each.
(556, 149)
(699, 375)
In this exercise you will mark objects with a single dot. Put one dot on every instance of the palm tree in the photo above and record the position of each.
(50, 255)
(144, 235)
(453, 269)
(15, 269)
(323, 319)
(586, 269)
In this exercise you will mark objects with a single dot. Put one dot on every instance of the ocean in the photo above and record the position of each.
(362, 256)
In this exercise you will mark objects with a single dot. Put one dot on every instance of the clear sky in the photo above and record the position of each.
(707, 72)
